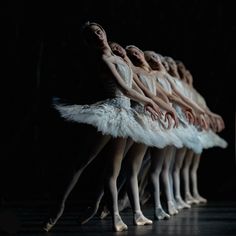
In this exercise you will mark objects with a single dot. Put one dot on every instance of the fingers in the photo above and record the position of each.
(169, 121)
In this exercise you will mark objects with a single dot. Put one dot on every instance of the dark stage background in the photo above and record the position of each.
(46, 58)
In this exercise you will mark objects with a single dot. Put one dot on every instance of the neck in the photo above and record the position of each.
(126, 58)
(145, 66)
(105, 49)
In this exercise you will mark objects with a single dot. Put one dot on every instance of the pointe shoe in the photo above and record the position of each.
(103, 213)
(160, 214)
(200, 199)
(49, 225)
(171, 208)
(120, 228)
(118, 224)
(140, 219)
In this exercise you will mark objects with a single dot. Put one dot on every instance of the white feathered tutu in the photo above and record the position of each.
(187, 133)
(207, 138)
(115, 117)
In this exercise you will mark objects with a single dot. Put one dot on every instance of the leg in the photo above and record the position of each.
(185, 172)
(134, 161)
(121, 188)
(179, 158)
(143, 178)
(97, 145)
(114, 164)
(193, 174)
(157, 160)
(166, 181)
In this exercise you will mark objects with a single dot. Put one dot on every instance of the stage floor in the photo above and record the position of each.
(214, 218)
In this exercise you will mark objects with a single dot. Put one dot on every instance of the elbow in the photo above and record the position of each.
(127, 92)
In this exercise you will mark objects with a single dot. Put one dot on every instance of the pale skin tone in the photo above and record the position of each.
(217, 125)
(137, 152)
(161, 159)
(156, 64)
(117, 145)
(186, 160)
(191, 172)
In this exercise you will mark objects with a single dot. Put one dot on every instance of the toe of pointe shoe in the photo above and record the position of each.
(48, 226)
(120, 228)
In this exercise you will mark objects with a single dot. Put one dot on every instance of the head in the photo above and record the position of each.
(135, 54)
(165, 63)
(181, 69)
(189, 77)
(117, 49)
(172, 66)
(154, 60)
(94, 34)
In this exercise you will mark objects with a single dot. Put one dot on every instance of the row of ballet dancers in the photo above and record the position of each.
(154, 122)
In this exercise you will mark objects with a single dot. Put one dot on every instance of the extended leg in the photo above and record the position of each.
(96, 146)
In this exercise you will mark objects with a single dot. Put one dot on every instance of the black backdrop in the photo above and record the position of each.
(46, 57)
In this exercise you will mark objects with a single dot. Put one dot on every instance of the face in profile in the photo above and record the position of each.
(171, 63)
(135, 54)
(181, 70)
(117, 49)
(189, 78)
(153, 59)
(94, 35)
(180, 66)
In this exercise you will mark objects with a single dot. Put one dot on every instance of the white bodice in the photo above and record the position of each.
(149, 83)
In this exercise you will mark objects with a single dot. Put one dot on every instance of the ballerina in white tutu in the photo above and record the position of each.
(202, 127)
(136, 151)
(146, 78)
(186, 133)
(216, 124)
(113, 118)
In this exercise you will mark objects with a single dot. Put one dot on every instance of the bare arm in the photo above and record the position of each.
(137, 88)
(164, 105)
(185, 99)
(131, 93)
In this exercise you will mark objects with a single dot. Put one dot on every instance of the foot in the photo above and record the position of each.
(200, 199)
(160, 214)
(189, 199)
(47, 226)
(171, 208)
(181, 204)
(104, 213)
(140, 219)
(118, 224)
(89, 214)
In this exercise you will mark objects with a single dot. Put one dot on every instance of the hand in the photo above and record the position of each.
(190, 115)
(153, 113)
(172, 114)
(203, 122)
(213, 124)
(156, 108)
